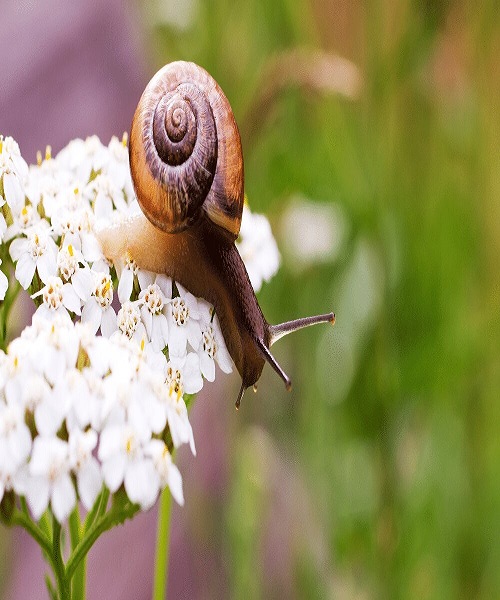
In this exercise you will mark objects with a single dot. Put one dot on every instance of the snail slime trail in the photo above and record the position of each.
(187, 168)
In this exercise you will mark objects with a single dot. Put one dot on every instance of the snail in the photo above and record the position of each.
(186, 163)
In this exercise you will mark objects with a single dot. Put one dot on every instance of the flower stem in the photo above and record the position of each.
(162, 546)
(58, 563)
(19, 518)
(78, 581)
(118, 513)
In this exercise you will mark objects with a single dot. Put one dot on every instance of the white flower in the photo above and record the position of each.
(13, 172)
(74, 269)
(44, 186)
(48, 408)
(76, 224)
(54, 347)
(86, 390)
(85, 465)
(50, 479)
(15, 364)
(23, 220)
(129, 322)
(153, 301)
(81, 157)
(168, 473)
(126, 282)
(118, 166)
(115, 396)
(98, 311)
(58, 298)
(4, 283)
(9, 148)
(14, 433)
(8, 469)
(108, 195)
(212, 347)
(178, 422)
(183, 374)
(257, 248)
(183, 323)
(37, 251)
(123, 460)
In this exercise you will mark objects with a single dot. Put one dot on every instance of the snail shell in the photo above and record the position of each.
(185, 151)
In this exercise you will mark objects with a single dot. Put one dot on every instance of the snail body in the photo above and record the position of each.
(187, 168)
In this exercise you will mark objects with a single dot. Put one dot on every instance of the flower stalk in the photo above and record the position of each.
(162, 553)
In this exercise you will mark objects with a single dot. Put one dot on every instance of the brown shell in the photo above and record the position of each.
(185, 151)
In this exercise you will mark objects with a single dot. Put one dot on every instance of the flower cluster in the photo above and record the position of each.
(78, 409)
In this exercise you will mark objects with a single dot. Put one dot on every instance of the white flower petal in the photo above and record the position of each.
(175, 484)
(37, 494)
(113, 471)
(83, 282)
(92, 314)
(89, 481)
(125, 285)
(207, 366)
(25, 269)
(191, 374)
(47, 265)
(142, 483)
(13, 192)
(71, 300)
(17, 248)
(63, 498)
(108, 323)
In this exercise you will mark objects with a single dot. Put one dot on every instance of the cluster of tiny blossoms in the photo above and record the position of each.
(79, 409)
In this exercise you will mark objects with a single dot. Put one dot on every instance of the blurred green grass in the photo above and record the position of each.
(390, 440)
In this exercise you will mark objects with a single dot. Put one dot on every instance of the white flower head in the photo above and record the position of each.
(58, 298)
(107, 195)
(129, 322)
(169, 475)
(14, 433)
(121, 452)
(126, 282)
(257, 248)
(35, 252)
(118, 166)
(74, 269)
(23, 220)
(77, 409)
(13, 173)
(49, 409)
(50, 478)
(212, 348)
(98, 311)
(153, 300)
(184, 323)
(85, 465)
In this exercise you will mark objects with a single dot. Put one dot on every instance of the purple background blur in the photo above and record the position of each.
(71, 70)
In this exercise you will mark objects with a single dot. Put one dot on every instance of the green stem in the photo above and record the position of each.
(78, 581)
(98, 509)
(162, 546)
(59, 571)
(117, 514)
(19, 518)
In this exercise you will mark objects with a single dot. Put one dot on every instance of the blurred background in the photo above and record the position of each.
(371, 138)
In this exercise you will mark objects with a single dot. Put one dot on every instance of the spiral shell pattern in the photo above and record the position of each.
(185, 151)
